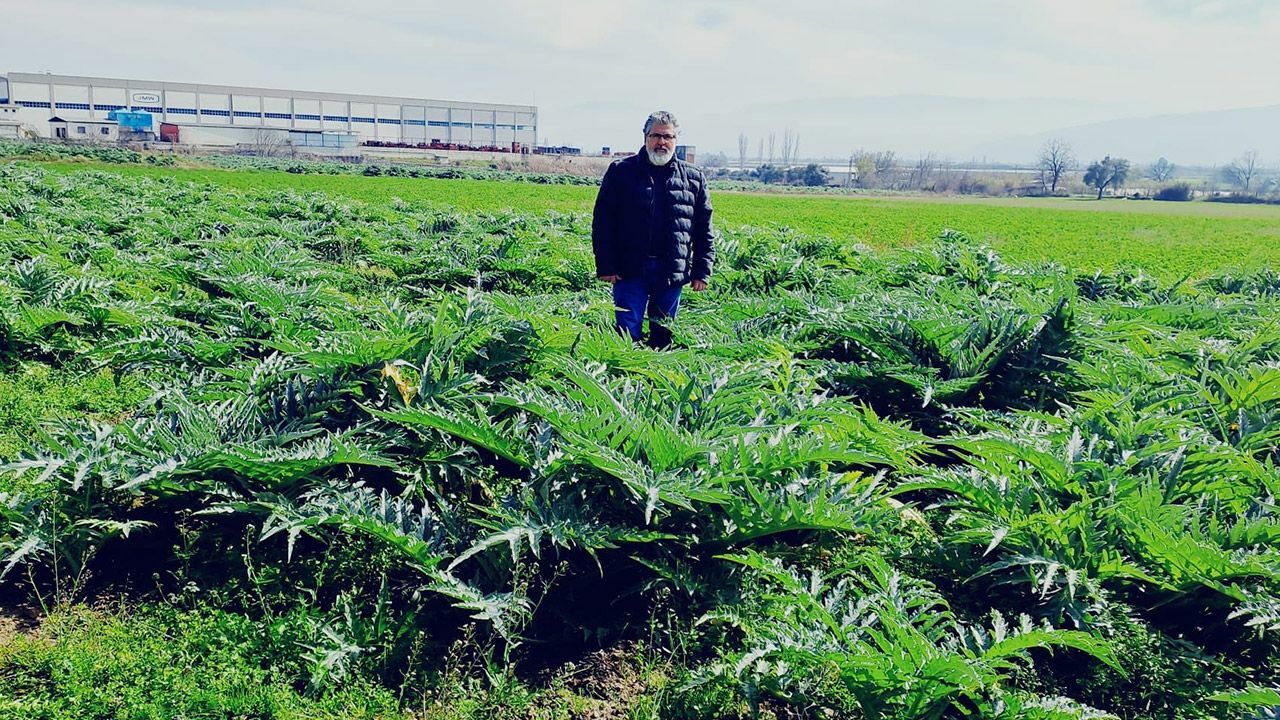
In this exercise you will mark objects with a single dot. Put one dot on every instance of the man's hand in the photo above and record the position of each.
(611, 279)
(698, 285)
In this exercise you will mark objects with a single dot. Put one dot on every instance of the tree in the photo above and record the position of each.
(923, 171)
(873, 167)
(269, 142)
(1241, 171)
(788, 143)
(770, 173)
(715, 160)
(813, 175)
(742, 151)
(1106, 173)
(1161, 170)
(772, 138)
(1056, 158)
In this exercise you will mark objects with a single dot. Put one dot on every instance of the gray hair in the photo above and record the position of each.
(661, 117)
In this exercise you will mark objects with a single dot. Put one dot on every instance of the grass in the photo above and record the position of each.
(137, 665)
(33, 393)
(1167, 240)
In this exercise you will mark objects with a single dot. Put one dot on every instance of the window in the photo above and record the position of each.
(246, 113)
(33, 104)
(415, 122)
(437, 123)
(336, 118)
(389, 121)
(106, 131)
(218, 113)
(151, 108)
(108, 108)
(361, 119)
(278, 116)
(301, 116)
(458, 124)
(80, 130)
(72, 106)
(181, 111)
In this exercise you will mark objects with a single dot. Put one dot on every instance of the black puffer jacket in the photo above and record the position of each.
(620, 227)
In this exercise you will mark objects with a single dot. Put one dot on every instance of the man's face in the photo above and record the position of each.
(660, 143)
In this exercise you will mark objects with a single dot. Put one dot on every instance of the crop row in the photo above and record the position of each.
(880, 484)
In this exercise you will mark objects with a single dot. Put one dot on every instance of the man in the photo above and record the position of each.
(651, 231)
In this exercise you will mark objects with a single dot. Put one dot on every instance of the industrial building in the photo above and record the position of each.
(50, 106)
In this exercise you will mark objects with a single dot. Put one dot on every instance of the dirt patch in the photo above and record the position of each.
(606, 684)
(17, 620)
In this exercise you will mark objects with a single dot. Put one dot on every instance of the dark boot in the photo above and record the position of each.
(659, 337)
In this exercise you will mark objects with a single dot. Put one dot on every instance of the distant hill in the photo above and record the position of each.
(1204, 138)
(909, 124)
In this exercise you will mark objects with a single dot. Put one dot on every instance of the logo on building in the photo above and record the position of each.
(141, 98)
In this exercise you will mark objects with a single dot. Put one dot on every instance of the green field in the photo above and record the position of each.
(296, 446)
(1168, 240)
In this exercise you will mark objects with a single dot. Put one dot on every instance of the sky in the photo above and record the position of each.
(915, 77)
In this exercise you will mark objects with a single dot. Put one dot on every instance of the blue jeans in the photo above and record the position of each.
(631, 296)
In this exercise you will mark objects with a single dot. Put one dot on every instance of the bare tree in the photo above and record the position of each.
(1161, 170)
(787, 143)
(760, 153)
(268, 142)
(772, 136)
(1241, 171)
(795, 147)
(742, 151)
(923, 171)
(865, 163)
(874, 168)
(1056, 158)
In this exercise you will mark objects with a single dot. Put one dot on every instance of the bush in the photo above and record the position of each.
(1174, 193)
(1238, 199)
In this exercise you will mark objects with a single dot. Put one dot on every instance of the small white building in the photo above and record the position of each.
(9, 124)
(99, 131)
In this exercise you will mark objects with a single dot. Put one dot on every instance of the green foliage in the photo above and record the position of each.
(919, 483)
(32, 394)
(871, 642)
(1106, 173)
(295, 166)
(160, 663)
(1169, 241)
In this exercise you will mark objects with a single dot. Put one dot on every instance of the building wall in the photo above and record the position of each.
(88, 130)
(387, 119)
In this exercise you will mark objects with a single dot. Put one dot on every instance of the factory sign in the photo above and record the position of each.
(143, 98)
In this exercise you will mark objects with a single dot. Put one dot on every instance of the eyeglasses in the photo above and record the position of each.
(661, 136)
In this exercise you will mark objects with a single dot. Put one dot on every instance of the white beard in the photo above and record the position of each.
(659, 158)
